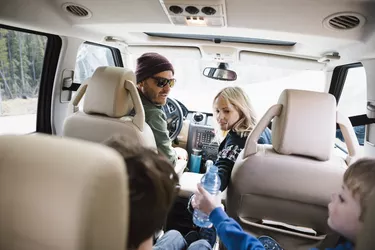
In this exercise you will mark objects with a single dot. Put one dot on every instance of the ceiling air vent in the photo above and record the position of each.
(344, 21)
(76, 10)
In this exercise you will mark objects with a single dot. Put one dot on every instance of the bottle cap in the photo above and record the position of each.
(209, 163)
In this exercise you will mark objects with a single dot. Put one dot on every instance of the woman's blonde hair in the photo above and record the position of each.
(241, 102)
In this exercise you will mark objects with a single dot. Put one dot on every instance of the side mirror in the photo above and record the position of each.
(220, 73)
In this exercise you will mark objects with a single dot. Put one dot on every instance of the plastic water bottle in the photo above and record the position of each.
(211, 182)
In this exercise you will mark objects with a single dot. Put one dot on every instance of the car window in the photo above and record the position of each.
(353, 98)
(21, 66)
(90, 57)
(263, 84)
(353, 102)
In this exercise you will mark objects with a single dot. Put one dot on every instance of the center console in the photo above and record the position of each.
(202, 137)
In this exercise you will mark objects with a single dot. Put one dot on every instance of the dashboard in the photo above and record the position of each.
(203, 119)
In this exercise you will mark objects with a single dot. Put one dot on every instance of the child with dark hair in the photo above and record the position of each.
(153, 185)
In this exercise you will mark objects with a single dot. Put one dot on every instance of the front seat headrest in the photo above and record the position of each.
(61, 194)
(106, 93)
(306, 124)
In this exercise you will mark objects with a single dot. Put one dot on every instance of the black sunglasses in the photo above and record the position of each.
(161, 82)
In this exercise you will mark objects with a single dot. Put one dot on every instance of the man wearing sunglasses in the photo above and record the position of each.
(154, 82)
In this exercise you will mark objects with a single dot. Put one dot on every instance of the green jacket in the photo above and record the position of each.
(157, 120)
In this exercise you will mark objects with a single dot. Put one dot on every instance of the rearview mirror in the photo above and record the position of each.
(220, 73)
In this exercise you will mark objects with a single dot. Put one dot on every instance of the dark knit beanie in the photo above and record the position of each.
(150, 64)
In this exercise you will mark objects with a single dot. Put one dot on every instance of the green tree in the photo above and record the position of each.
(35, 54)
(21, 63)
(4, 66)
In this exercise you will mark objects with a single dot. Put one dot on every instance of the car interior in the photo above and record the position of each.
(67, 83)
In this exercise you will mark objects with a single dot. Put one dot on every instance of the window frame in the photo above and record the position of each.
(50, 61)
(117, 59)
(337, 85)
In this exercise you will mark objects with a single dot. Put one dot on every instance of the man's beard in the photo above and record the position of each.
(153, 97)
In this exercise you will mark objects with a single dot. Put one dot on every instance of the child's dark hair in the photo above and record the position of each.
(153, 185)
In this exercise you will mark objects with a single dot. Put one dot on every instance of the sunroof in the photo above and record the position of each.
(218, 39)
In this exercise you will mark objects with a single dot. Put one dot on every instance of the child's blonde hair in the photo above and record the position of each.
(241, 102)
(360, 180)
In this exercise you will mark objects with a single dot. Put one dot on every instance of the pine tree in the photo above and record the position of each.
(4, 66)
(21, 63)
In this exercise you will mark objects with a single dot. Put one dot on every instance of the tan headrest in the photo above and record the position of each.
(306, 125)
(106, 93)
(61, 194)
(276, 110)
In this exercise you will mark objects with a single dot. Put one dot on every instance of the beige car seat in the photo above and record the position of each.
(61, 194)
(277, 189)
(110, 96)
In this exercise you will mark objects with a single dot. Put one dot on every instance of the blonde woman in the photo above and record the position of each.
(234, 113)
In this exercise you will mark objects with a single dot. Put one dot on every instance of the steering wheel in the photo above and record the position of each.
(175, 117)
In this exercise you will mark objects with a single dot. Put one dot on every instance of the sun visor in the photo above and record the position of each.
(279, 61)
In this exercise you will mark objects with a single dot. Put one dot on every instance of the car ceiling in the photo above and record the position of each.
(299, 21)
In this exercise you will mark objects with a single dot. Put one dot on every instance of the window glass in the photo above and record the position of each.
(90, 57)
(263, 84)
(353, 98)
(352, 102)
(21, 66)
